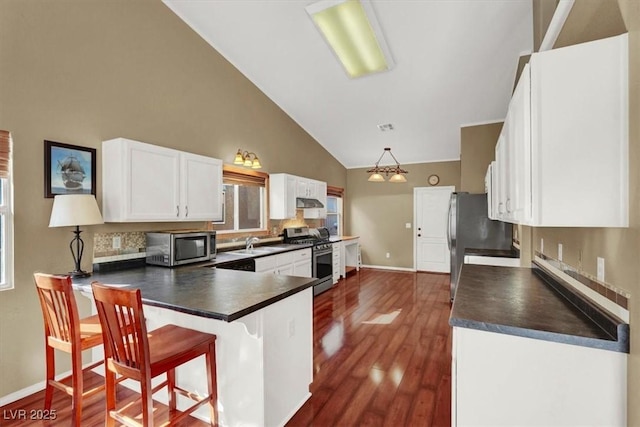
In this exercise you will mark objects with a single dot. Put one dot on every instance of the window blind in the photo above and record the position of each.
(335, 191)
(239, 176)
(5, 153)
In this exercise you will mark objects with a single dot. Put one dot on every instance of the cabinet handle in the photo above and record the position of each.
(508, 205)
(177, 211)
(500, 205)
(186, 208)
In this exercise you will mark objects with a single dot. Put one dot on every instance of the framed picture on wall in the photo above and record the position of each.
(68, 169)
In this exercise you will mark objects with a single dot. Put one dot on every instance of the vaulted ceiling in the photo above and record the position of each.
(455, 65)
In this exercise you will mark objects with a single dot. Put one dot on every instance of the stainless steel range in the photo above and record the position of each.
(322, 253)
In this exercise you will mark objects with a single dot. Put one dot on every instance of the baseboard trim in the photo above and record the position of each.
(34, 388)
(387, 267)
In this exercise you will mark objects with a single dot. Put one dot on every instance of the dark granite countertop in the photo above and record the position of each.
(520, 301)
(502, 253)
(203, 291)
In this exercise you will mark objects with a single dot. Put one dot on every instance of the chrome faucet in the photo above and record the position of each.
(249, 242)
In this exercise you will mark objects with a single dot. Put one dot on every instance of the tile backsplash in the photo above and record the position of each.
(130, 242)
(133, 242)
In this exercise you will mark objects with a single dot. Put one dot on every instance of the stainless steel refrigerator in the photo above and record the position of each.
(470, 227)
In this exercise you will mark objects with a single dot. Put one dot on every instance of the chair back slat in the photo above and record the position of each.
(59, 308)
(124, 330)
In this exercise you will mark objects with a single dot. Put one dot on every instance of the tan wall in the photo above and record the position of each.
(477, 150)
(378, 211)
(81, 72)
(590, 20)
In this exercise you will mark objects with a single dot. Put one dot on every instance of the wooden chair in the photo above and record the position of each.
(133, 353)
(64, 330)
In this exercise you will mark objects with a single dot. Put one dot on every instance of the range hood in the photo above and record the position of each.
(304, 203)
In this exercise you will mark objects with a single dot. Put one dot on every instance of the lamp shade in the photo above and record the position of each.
(75, 209)
(398, 178)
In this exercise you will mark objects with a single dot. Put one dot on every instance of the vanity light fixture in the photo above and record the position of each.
(247, 159)
(377, 171)
(352, 31)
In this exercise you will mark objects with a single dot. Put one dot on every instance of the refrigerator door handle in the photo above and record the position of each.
(449, 222)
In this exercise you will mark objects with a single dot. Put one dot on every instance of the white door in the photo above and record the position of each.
(431, 208)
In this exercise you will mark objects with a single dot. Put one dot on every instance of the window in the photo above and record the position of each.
(6, 213)
(334, 211)
(244, 200)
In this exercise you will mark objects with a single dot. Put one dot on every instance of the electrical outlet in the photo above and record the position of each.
(407, 225)
(600, 269)
(388, 255)
(116, 242)
(559, 251)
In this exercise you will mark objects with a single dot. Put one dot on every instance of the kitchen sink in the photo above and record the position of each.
(255, 251)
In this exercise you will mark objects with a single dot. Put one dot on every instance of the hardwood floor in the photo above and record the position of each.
(382, 357)
(382, 352)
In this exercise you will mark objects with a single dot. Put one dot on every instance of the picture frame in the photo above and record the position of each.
(68, 169)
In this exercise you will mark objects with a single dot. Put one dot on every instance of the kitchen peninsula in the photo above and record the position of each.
(264, 325)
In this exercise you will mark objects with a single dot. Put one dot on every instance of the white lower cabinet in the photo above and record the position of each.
(506, 380)
(302, 263)
(294, 263)
(337, 269)
(284, 189)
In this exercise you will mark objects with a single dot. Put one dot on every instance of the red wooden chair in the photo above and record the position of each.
(133, 353)
(65, 331)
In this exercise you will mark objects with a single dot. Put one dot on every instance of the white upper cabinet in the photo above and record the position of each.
(147, 183)
(282, 196)
(201, 192)
(562, 157)
(513, 156)
(579, 132)
(285, 188)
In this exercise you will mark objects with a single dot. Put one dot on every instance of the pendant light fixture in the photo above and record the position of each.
(247, 159)
(396, 171)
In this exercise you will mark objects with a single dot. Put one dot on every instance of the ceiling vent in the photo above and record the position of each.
(385, 127)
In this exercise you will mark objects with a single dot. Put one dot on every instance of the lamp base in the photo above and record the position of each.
(79, 273)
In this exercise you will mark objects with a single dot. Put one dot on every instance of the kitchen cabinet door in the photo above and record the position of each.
(302, 263)
(505, 380)
(502, 175)
(266, 264)
(282, 196)
(519, 151)
(302, 187)
(140, 182)
(579, 135)
(201, 181)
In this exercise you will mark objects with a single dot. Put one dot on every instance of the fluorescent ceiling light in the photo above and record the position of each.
(352, 31)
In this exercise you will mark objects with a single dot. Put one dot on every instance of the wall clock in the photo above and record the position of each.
(433, 179)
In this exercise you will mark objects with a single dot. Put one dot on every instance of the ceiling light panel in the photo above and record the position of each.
(353, 33)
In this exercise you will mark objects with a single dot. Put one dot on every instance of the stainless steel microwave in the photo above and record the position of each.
(173, 248)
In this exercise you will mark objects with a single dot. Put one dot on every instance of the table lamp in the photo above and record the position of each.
(75, 210)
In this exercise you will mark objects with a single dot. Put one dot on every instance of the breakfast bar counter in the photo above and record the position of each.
(203, 291)
(263, 323)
